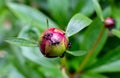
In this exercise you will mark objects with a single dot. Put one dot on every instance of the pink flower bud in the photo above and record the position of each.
(109, 23)
(53, 42)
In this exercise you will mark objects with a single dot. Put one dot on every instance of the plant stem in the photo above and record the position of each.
(63, 61)
(91, 51)
(63, 65)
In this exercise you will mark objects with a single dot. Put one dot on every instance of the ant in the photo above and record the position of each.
(47, 37)
(69, 45)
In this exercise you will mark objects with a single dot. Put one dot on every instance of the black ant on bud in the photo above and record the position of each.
(69, 45)
(47, 37)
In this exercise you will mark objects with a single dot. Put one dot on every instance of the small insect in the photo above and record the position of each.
(55, 43)
(47, 36)
(69, 45)
(64, 33)
(62, 55)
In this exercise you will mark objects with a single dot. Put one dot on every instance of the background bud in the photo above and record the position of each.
(53, 42)
(109, 23)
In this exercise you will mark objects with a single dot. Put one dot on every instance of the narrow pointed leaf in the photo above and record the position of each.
(92, 75)
(110, 67)
(116, 32)
(30, 16)
(77, 23)
(22, 42)
(110, 62)
(59, 12)
(33, 53)
(98, 9)
(77, 53)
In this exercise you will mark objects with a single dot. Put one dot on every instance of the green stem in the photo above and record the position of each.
(91, 51)
(63, 61)
(63, 65)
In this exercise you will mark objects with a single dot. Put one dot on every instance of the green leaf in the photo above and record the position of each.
(92, 75)
(19, 62)
(58, 11)
(98, 9)
(77, 23)
(115, 14)
(116, 32)
(22, 42)
(89, 39)
(77, 53)
(3, 16)
(30, 16)
(88, 8)
(56, 73)
(111, 67)
(83, 6)
(78, 5)
(108, 63)
(29, 32)
(33, 53)
(14, 73)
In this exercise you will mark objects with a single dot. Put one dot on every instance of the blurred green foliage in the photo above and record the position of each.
(27, 19)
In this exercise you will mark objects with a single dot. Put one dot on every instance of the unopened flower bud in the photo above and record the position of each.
(109, 23)
(53, 42)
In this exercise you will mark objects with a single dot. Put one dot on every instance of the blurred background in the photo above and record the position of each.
(27, 19)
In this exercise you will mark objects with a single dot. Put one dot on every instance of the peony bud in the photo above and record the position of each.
(53, 42)
(109, 23)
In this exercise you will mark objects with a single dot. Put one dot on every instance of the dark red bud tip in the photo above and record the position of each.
(109, 23)
(53, 42)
